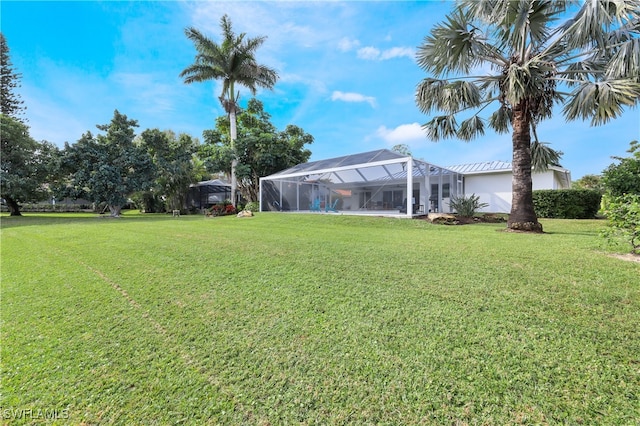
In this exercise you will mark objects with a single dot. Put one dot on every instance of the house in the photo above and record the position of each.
(491, 181)
(387, 183)
(380, 182)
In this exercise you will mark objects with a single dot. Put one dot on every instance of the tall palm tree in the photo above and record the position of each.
(520, 59)
(232, 61)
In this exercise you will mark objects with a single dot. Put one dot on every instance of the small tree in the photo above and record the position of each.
(107, 168)
(623, 214)
(622, 199)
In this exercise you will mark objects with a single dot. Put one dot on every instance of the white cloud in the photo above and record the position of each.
(352, 97)
(374, 54)
(397, 52)
(346, 44)
(369, 52)
(404, 133)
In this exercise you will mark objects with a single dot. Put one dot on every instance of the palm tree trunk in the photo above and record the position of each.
(523, 216)
(234, 161)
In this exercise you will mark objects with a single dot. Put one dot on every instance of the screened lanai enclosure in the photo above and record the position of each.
(379, 182)
(205, 194)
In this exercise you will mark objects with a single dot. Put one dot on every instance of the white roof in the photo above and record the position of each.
(485, 167)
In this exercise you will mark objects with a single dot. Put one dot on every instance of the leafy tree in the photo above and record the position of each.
(402, 148)
(176, 164)
(232, 61)
(624, 177)
(260, 148)
(512, 56)
(589, 182)
(623, 215)
(26, 165)
(107, 168)
(10, 102)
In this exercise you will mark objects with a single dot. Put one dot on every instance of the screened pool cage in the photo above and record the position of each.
(379, 182)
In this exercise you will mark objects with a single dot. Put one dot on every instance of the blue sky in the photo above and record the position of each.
(347, 75)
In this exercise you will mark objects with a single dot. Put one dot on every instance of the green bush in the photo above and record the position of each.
(252, 206)
(467, 207)
(566, 203)
(623, 214)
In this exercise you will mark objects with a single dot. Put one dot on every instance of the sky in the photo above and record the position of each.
(347, 75)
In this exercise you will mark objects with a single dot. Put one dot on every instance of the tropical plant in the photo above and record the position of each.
(467, 206)
(260, 148)
(623, 215)
(516, 57)
(233, 62)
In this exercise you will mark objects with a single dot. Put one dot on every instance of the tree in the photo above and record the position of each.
(232, 61)
(508, 54)
(176, 164)
(624, 177)
(589, 182)
(402, 148)
(260, 148)
(10, 102)
(26, 165)
(107, 168)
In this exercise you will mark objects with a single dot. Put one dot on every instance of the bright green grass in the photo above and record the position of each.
(315, 319)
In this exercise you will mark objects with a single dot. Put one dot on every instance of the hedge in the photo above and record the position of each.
(566, 203)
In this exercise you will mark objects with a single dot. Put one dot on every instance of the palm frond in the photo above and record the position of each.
(451, 47)
(441, 127)
(448, 97)
(500, 120)
(543, 156)
(602, 101)
(471, 128)
(626, 61)
(590, 26)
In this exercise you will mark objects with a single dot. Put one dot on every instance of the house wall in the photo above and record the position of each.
(544, 180)
(495, 188)
(492, 188)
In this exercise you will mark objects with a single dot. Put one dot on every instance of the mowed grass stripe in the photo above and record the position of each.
(334, 320)
(86, 328)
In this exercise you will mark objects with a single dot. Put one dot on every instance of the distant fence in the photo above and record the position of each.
(51, 208)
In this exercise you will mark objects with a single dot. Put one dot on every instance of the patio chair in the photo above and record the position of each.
(332, 207)
(315, 206)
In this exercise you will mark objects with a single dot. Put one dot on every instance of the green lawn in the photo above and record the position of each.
(314, 319)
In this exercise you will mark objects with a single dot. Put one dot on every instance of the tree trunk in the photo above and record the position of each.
(115, 210)
(14, 208)
(522, 216)
(234, 161)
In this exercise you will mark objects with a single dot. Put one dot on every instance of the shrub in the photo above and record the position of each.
(623, 214)
(566, 203)
(467, 207)
(252, 206)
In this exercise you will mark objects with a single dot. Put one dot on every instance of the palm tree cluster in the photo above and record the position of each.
(521, 59)
(233, 62)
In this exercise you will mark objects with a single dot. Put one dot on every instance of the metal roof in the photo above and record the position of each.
(347, 160)
(485, 167)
